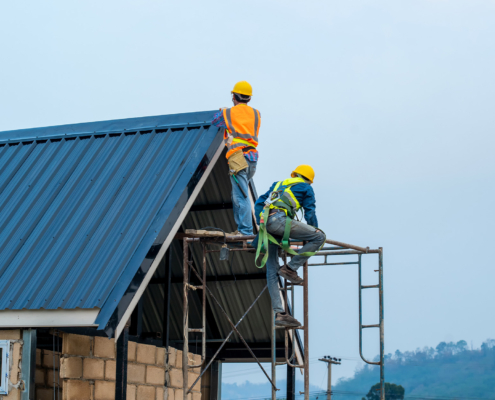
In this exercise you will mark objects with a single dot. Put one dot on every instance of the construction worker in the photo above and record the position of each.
(242, 124)
(275, 211)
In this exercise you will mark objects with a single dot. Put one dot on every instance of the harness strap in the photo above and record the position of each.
(265, 237)
(285, 239)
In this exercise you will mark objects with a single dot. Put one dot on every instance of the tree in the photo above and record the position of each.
(461, 345)
(392, 392)
(487, 345)
(441, 347)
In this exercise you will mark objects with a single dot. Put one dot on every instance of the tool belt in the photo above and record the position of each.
(237, 162)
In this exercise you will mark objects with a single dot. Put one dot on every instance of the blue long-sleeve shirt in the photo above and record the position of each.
(304, 194)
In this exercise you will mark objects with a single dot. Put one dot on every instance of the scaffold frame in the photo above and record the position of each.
(338, 248)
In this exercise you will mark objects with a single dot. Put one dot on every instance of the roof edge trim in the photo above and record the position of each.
(99, 127)
(48, 318)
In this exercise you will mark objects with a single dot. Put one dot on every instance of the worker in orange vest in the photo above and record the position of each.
(242, 124)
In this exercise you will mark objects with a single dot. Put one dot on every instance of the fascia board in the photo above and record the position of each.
(48, 318)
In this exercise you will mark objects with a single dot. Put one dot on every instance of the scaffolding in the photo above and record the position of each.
(240, 243)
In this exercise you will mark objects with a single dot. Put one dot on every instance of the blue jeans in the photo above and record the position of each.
(299, 231)
(243, 215)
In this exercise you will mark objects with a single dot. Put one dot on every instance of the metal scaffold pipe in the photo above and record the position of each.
(306, 332)
(185, 307)
(341, 249)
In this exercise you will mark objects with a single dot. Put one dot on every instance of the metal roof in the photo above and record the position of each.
(82, 205)
(86, 207)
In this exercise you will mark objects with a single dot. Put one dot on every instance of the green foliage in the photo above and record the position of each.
(392, 392)
(450, 370)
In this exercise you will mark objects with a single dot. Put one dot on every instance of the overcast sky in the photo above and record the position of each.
(392, 103)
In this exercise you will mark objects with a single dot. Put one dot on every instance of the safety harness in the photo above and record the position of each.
(281, 198)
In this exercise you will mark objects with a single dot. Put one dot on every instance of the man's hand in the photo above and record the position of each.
(222, 108)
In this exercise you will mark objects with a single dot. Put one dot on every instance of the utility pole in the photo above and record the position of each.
(330, 360)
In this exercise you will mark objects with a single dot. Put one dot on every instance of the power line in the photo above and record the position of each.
(252, 371)
(312, 360)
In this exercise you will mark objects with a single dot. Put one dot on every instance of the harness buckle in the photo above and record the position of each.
(274, 196)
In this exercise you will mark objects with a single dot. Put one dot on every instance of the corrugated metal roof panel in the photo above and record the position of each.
(77, 208)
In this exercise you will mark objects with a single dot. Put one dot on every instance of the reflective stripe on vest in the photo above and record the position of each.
(288, 183)
(243, 124)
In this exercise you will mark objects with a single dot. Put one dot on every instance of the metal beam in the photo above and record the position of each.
(238, 351)
(216, 381)
(166, 299)
(136, 328)
(291, 379)
(28, 363)
(121, 367)
(253, 345)
(213, 279)
(211, 207)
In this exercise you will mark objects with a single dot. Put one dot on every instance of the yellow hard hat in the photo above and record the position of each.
(243, 87)
(306, 171)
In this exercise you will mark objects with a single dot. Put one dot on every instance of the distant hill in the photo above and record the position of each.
(450, 370)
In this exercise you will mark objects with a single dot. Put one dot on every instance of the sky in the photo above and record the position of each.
(391, 102)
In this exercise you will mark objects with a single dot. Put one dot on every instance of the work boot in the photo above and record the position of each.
(290, 275)
(286, 320)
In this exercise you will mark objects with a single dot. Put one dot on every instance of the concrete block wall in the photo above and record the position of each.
(174, 390)
(15, 337)
(87, 369)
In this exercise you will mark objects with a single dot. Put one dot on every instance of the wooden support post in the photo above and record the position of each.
(329, 382)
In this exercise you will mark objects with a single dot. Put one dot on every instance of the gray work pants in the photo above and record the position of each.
(299, 231)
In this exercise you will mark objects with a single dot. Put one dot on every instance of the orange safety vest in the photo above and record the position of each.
(243, 123)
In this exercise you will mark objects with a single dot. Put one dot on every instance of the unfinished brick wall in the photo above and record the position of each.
(87, 370)
(15, 337)
(174, 390)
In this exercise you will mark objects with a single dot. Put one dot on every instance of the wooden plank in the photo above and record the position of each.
(214, 235)
(203, 233)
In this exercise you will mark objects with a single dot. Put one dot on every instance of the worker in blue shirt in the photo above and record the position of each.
(276, 208)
